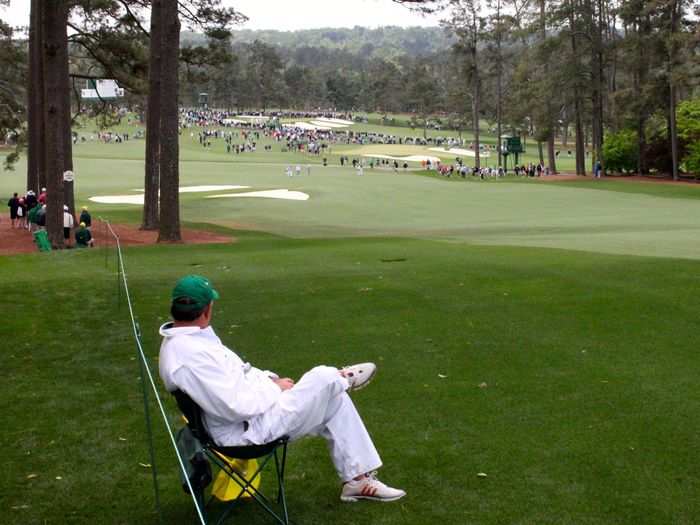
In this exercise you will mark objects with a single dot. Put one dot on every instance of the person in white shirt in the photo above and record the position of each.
(244, 405)
(68, 222)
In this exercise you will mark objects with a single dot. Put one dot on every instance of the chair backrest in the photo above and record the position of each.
(193, 413)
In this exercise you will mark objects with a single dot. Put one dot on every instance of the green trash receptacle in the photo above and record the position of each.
(42, 241)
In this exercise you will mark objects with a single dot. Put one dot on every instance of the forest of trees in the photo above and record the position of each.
(598, 75)
(74, 40)
(618, 78)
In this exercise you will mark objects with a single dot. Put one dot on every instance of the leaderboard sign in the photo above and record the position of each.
(102, 90)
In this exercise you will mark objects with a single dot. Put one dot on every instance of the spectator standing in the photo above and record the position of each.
(13, 204)
(30, 200)
(21, 214)
(86, 218)
(33, 216)
(42, 196)
(68, 222)
(41, 217)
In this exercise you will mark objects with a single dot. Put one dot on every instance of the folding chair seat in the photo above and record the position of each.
(276, 450)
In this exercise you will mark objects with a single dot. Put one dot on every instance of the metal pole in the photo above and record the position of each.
(149, 431)
(119, 286)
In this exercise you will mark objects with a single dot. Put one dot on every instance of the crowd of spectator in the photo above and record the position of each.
(28, 212)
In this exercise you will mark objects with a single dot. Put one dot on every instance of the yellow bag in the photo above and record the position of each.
(226, 489)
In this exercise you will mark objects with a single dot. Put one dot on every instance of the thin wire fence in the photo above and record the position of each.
(122, 281)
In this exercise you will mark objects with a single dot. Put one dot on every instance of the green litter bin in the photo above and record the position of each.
(42, 241)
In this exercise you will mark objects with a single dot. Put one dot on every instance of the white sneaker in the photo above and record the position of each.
(369, 488)
(360, 375)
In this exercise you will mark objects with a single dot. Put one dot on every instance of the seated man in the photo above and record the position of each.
(243, 405)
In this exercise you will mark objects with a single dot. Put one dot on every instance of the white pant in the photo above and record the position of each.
(319, 406)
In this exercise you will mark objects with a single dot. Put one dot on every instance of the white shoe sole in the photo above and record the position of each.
(366, 382)
(353, 499)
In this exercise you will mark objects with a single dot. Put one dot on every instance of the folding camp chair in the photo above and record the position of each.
(212, 451)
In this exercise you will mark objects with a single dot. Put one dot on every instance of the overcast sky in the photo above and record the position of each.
(289, 15)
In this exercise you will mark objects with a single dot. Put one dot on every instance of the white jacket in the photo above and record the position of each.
(67, 219)
(229, 391)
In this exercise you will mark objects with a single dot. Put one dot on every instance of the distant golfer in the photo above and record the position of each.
(244, 405)
(298, 170)
(288, 171)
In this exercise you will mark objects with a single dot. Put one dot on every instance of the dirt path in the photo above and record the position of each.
(567, 177)
(13, 241)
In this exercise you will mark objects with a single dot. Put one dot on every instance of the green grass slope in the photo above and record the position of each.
(586, 351)
(632, 218)
(589, 364)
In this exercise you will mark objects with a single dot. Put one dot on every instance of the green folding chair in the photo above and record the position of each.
(276, 450)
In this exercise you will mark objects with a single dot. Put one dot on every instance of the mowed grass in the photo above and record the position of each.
(571, 378)
(569, 360)
(631, 218)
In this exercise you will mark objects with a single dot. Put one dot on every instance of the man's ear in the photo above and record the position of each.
(208, 310)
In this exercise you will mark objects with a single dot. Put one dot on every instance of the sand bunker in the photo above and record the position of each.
(409, 158)
(333, 125)
(336, 121)
(254, 117)
(138, 199)
(307, 126)
(462, 152)
(229, 121)
(269, 194)
(118, 199)
(211, 187)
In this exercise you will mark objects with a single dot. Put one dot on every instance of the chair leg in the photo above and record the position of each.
(248, 488)
(281, 497)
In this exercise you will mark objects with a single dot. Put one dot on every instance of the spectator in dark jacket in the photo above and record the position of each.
(83, 237)
(85, 217)
(13, 204)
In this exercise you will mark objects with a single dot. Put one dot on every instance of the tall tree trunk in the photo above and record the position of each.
(169, 123)
(551, 155)
(499, 84)
(55, 19)
(578, 119)
(611, 36)
(36, 165)
(552, 161)
(639, 79)
(673, 132)
(672, 89)
(152, 175)
(600, 79)
(593, 12)
(475, 116)
(68, 195)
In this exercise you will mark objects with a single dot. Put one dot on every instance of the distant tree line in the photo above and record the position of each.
(603, 76)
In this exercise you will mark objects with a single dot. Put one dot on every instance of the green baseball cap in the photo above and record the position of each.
(196, 288)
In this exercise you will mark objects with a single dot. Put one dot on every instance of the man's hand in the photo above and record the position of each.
(284, 383)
